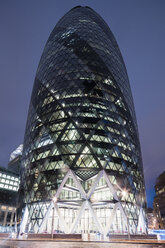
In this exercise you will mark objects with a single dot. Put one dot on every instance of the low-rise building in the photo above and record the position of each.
(159, 201)
(9, 186)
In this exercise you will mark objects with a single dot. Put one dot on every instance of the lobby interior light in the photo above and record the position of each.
(54, 199)
(124, 193)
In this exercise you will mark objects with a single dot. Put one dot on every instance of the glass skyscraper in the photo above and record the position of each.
(82, 162)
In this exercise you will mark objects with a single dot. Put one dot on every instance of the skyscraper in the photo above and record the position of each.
(82, 163)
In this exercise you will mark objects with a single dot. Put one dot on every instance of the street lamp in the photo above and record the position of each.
(54, 200)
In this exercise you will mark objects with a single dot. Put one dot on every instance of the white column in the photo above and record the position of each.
(75, 223)
(11, 219)
(5, 217)
(24, 221)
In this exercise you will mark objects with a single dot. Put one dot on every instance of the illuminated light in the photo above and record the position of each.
(3, 208)
(52, 91)
(93, 198)
(65, 169)
(54, 199)
(124, 193)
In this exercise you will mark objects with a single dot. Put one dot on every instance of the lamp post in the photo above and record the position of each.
(52, 221)
(15, 221)
(129, 237)
(54, 200)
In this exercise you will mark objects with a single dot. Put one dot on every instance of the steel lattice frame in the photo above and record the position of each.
(81, 142)
(88, 203)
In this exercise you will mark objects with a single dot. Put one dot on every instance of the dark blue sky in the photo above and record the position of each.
(139, 28)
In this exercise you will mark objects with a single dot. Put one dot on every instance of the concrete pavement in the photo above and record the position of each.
(79, 244)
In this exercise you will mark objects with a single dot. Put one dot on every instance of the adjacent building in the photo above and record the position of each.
(9, 192)
(9, 186)
(81, 164)
(152, 222)
(15, 160)
(159, 201)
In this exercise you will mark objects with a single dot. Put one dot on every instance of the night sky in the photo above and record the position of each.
(139, 28)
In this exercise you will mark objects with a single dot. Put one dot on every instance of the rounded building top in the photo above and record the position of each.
(79, 6)
(83, 24)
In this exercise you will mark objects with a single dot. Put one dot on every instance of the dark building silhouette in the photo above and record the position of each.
(159, 201)
(81, 153)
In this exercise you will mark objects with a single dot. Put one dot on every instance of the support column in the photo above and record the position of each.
(5, 217)
(0, 214)
(142, 222)
(24, 220)
(11, 219)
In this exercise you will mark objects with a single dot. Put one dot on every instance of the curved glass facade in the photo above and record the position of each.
(82, 163)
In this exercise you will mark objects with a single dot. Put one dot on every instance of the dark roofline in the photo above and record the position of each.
(76, 7)
(79, 6)
(14, 160)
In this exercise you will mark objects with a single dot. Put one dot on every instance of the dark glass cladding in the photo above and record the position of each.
(81, 118)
